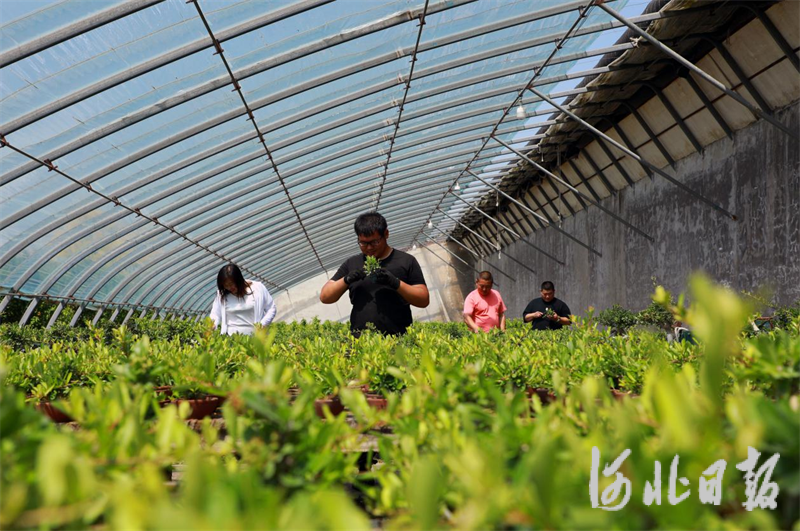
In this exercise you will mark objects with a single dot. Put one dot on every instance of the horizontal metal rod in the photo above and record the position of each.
(521, 205)
(77, 300)
(576, 191)
(632, 154)
(481, 237)
(508, 229)
(513, 279)
(439, 257)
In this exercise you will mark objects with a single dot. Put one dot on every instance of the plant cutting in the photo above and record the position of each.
(549, 313)
(371, 265)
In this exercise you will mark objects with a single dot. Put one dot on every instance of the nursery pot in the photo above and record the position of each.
(200, 407)
(545, 395)
(376, 401)
(55, 414)
(331, 402)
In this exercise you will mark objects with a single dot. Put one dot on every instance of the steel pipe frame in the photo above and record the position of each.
(559, 43)
(402, 102)
(243, 217)
(52, 167)
(493, 246)
(697, 70)
(634, 155)
(291, 55)
(348, 199)
(776, 36)
(454, 255)
(474, 253)
(536, 214)
(423, 246)
(574, 190)
(64, 33)
(247, 137)
(272, 258)
(237, 87)
(654, 137)
(189, 230)
(187, 275)
(708, 104)
(8, 294)
(509, 230)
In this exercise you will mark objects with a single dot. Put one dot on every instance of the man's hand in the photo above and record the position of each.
(387, 279)
(536, 315)
(555, 317)
(354, 276)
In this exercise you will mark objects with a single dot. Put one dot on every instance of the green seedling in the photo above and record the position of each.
(371, 265)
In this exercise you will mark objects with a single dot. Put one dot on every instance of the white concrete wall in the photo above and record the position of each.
(447, 299)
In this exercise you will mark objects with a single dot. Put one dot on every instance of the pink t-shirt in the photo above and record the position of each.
(485, 310)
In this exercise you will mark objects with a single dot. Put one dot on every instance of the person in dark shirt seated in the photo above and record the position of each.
(385, 298)
(536, 311)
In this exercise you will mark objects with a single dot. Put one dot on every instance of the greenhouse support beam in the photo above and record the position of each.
(402, 104)
(574, 190)
(475, 253)
(535, 214)
(128, 316)
(776, 36)
(423, 246)
(56, 314)
(654, 137)
(493, 245)
(582, 12)
(237, 87)
(708, 104)
(454, 255)
(633, 155)
(28, 312)
(111, 199)
(155, 63)
(675, 116)
(508, 230)
(64, 33)
(743, 78)
(694, 68)
(114, 315)
(583, 179)
(77, 316)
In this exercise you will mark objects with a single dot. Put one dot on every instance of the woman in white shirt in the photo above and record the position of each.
(240, 304)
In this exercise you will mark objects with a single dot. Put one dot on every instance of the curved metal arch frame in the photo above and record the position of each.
(330, 236)
(182, 299)
(325, 43)
(118, 289)
(244, 217)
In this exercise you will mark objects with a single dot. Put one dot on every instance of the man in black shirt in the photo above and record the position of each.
(384, 298)
(536, 311)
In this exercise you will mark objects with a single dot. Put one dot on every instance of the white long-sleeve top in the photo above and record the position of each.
(264, 308)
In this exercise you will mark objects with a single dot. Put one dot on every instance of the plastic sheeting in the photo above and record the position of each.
(141, 109)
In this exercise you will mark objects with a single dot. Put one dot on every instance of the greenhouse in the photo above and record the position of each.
(399, 264)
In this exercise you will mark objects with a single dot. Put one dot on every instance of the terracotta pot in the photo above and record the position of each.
(55, 414)
(545, 395)
(376, 401)
(200, 407)
(163, 390)
(332, 402)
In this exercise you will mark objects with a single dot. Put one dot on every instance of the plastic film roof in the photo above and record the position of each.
(137, 163)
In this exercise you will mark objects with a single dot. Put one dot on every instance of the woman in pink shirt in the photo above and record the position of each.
(484, 308)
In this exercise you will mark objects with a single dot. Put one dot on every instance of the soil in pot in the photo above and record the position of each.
(331, 402)
(55, 414)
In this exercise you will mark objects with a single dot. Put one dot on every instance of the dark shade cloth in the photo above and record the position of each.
(538, 305)
(378, 304)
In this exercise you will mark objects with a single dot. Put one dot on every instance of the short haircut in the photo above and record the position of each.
(369, 223)
(548, 286)
(485, 275)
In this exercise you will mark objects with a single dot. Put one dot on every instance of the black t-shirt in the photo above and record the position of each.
(538, 305)
(378, 304)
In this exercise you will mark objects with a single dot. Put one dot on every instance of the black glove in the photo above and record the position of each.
(354, 276)
(387, 279)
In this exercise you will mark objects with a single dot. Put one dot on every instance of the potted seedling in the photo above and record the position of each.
(371, 267)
